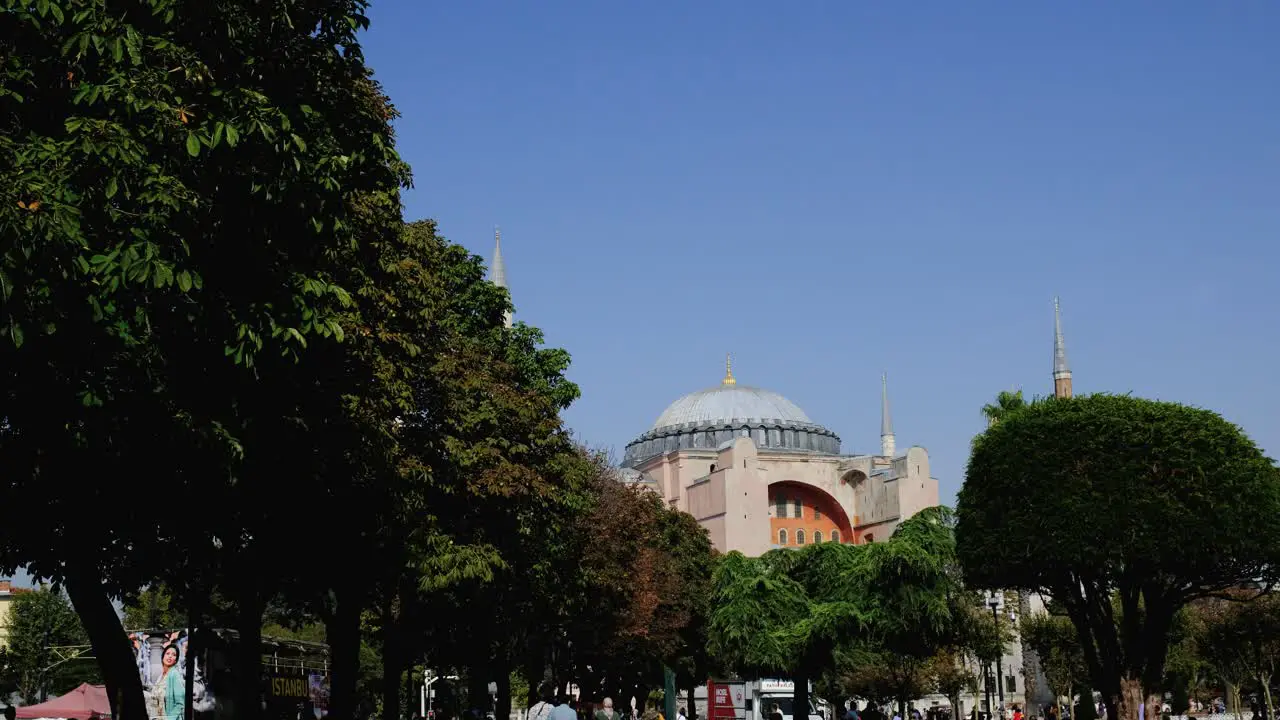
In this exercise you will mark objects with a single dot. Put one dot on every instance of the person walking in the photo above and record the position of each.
(564, 709)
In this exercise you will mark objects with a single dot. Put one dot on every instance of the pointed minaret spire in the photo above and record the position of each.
(498, 269)
(728, 371)
(1061, 371)
(887, 442)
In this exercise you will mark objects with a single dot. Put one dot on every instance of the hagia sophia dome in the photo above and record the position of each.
(711, 417)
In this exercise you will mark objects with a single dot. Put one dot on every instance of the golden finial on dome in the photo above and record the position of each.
(728, 370)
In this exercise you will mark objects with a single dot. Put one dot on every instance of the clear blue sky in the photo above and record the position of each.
(829, 190)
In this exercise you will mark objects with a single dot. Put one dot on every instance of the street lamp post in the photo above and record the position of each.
(995, 600)
(428, 695)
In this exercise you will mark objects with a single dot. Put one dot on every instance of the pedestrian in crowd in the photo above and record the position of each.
(606, 711)
(564, 709)
(852, 712)
(541, 710)
(680, 714)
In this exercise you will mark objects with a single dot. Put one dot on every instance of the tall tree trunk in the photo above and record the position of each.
(1030, 660)
(800, 697)
(1130, 698)
(534, 673)
(392, 660)
(248, 664)
(409, 702)
(478, 686)
(1265, 680)
(1155, 707)
(503, 709)
(194, 621)
(110, 643)
(343, 631)
(692, 709)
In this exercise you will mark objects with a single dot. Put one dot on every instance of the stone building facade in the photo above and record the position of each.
(758, 473)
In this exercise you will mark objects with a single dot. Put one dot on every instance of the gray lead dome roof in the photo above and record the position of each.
(725, 403)
(707, 419)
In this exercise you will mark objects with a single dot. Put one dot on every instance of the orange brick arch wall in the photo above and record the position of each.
(818, 513)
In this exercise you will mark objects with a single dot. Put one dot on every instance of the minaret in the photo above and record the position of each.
(1061, 371)
(728, 371)
(498, 270)
(887, 443)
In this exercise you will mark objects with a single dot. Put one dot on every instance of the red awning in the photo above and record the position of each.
(86, 702)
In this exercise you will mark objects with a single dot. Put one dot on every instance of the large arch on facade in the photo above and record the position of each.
(820, 515)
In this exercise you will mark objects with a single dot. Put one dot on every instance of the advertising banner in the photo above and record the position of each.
(162, 665)
(296, 694)
(319, 687)
(727, 700)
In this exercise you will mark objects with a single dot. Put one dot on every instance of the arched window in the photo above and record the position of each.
(869, 538)
(782, 536)
(799, 537)
(835, 536)
(817, 536)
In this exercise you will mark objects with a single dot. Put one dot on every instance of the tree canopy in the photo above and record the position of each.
(46, 656)
(1101, 496)
(835, 607)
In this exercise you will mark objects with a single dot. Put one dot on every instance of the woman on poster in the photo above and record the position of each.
(171, 688)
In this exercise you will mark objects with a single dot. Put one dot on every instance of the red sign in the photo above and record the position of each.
(726, 701)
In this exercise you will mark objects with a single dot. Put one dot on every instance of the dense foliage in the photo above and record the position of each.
(47, 650)
(1154, 488)
(884, 621)
(1053, 639)
(222, 346)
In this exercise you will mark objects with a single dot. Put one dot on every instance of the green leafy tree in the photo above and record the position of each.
(1184, 669)
(176, 180)
(8, 677)
(44, 635)
(1054, 640)
(949, 676)
(470, 469)
(893, 605)
(1238, 634)
(152, 609)
(766, 621)
(1007, 402)
(1156, 486)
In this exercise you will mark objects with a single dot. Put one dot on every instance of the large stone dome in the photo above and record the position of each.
(709, 418)
(730, 402)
